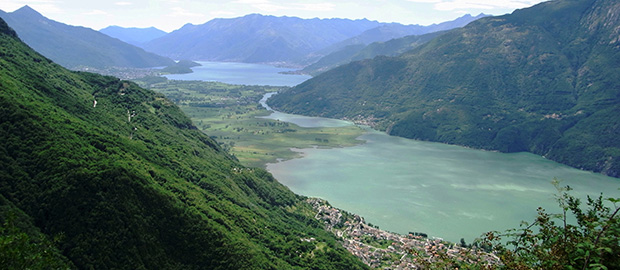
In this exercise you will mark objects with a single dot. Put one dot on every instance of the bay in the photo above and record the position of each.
(241, 73)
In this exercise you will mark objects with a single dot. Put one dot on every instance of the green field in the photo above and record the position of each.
(228, 113)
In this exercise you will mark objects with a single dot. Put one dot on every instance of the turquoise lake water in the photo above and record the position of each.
(403, 185)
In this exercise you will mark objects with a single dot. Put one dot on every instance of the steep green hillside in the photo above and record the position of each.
(74, 47)
(98, 173)
(545, 79)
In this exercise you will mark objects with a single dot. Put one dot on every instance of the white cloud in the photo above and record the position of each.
(221, 13)
(181, 12)
(449, 5)
(271, 6)
(123, 3)
(316, 7)
(252, 2)
(425, 1)
(96, 12)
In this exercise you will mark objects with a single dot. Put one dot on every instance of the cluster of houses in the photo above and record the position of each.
(386, 250)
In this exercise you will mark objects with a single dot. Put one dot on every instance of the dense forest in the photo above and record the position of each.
(98, 173)
(543, 79)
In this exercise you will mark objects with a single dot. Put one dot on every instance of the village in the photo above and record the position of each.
(386, 250)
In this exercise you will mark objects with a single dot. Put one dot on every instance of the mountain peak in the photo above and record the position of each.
(27, 11)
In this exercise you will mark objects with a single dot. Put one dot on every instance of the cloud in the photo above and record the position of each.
(425, 1)
(316, 7)
(96, 12)
(270, 6)
(181, 12)
(449, 5)
(123, 3)
(222, 13)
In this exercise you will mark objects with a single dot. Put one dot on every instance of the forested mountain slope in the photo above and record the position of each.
(98, 173)
(544, 79)
(74, 47)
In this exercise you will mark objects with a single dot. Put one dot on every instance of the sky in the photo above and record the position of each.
(169, 15)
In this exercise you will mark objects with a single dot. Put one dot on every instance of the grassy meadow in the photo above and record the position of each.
(228, 113)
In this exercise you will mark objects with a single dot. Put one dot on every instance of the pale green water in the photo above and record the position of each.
(446, 191)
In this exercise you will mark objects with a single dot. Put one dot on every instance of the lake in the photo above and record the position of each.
(241, 73)
(403, 185)
(446, 191)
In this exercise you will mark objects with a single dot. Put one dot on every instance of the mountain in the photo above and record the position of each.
(390, 31)
(133, 36)
(354, 49)
(544, 79)
(74, 47)
(359, 52)
(98, 173)
(256, 38)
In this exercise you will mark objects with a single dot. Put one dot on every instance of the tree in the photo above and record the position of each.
(552, 242)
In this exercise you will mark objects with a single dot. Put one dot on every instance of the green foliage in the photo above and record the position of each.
(22, 246)
(574, 239)
(128, 182)
(543, 79)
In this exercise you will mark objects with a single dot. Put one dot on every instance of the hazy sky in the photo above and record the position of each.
(170, 15)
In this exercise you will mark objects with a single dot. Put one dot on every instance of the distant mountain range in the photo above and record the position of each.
(73, 47)
(545, 79)
(256, 38)
(281, 40)
(132, 35)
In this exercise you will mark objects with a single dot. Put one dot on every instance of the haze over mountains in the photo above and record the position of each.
(543, 79)
(283, 40)
(253, 38)
(74, 46)
(133, 36)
